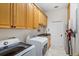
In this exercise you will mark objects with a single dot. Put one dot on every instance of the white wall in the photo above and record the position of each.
(77, 37)
(73, 16)
(19, 33)
(57, 15)
(73, 23)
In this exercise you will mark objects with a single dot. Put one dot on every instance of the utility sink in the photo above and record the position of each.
(14, 49)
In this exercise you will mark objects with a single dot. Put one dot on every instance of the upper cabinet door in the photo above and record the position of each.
(30, 16)
(40, 18)
(5, 15)
(20, 15)
(36, 17)
(43, 20)
(46, 21)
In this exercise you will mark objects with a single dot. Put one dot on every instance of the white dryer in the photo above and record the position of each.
(41, 45)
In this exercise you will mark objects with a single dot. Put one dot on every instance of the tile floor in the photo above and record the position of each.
(56, 52)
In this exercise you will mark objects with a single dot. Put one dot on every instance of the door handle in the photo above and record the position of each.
(61, 35)
(11, 26)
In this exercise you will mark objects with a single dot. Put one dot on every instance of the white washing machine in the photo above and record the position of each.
(41, 45)
(14, 47)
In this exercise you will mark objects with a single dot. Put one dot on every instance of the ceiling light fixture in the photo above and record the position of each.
(56, 6)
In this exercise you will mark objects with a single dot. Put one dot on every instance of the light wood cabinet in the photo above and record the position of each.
(42, 19)
(20, 15)
(36, 17)
(45, 20)
(30, 16)
(13, 15)
(5, 15)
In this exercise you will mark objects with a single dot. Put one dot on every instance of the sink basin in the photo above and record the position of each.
(14, 49)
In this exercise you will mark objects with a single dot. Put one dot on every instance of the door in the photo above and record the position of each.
(20, 15)
(57, 34)
(5, 15)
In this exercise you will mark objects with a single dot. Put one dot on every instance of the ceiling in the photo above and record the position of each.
(51, 6)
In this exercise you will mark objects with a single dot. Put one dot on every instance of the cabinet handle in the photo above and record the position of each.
(14, 26)
(11, 26)
(34, 28)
